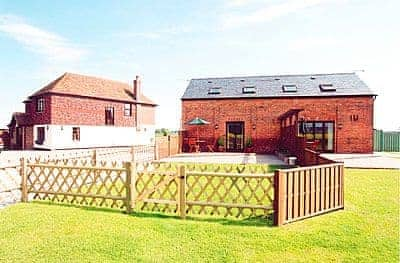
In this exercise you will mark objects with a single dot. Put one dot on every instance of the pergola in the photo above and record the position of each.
(289, 118)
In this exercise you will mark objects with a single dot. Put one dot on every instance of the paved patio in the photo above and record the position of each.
(375, 160)
(241, 158)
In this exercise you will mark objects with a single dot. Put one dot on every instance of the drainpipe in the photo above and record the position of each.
(336, 128)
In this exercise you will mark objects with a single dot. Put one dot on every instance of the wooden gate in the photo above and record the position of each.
(308, 191)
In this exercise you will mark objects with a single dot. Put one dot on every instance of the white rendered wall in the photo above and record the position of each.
(60, 136)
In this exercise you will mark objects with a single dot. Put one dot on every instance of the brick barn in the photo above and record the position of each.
(266, 114)
(77, 111)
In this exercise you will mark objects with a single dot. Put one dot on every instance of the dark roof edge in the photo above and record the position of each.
(283, 97)
(281, 75)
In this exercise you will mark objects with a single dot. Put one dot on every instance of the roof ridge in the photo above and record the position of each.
(279, 75)
(96, 77)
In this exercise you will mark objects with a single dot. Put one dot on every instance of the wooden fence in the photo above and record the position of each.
(192, 189)
(308, 191)
(168, 145)
(10, 184)
(386, 141)
(312, 157)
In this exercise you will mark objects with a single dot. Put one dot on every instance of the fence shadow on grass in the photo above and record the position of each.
(258, 221)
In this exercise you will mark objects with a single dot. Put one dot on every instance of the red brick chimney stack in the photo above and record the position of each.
(137, 88)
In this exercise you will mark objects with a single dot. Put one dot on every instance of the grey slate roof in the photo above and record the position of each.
(346, 84)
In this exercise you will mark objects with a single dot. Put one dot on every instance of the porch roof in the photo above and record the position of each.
(289, 113)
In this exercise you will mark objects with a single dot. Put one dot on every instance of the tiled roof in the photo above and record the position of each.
(80, 85)
(20, 118)
(343, 84)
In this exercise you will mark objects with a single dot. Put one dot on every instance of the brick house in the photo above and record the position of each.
(265, 114)
(4, 139)
(77, 111)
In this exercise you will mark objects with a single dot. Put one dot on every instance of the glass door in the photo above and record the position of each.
(320, 132)
(234, 136)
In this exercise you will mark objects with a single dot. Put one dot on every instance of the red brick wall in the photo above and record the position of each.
(4, 139)
(28, 140)
(350, 136)
(87, 111)
(39, 117)
(62, 109)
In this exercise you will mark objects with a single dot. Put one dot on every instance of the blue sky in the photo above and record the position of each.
(169, 42)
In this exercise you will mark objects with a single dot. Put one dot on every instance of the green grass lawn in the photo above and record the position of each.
(366, 231)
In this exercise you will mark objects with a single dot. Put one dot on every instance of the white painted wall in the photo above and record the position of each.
(60, 136)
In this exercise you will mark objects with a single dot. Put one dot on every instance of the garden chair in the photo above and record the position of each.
(193, 146)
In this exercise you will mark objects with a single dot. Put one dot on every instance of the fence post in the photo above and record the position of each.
(24, 180)
(181, 192)
(94, 157)
(342, 184)
(169, 145)
(133, 154)
(279, 198)
(156, 154)
(130, 185)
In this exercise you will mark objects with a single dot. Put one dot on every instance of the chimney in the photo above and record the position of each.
(136, 88)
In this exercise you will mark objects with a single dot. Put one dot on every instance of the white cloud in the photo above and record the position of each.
(268, 13)
(51, 45)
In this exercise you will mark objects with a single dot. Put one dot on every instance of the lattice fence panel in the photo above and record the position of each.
(239, 191)
(77, 183)
(10, 185)
(157, 187)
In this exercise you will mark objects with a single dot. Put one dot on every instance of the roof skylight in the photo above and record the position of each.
(249, 89)
(289, 88)
(327, 87)
(214, 90)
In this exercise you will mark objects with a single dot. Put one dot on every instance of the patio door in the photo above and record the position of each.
(235, 136)
(320, 132)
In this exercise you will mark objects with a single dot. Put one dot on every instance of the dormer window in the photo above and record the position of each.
(39, 105)
(327, 87)
(289, 88)
(214, 90)
(249, 89)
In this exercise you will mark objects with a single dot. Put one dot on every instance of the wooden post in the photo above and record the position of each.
(24, 181)
(279, 198)
(133, 154)
(130, 186)
(181, 192)
(342, 184)
(169, 145)
(156, 154)
(94, 157)
(180, 141)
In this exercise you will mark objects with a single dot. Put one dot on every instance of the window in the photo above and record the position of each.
(289, 88)
(320, 132)
(109, 115)
(40, 135)
(128, 109)
(76, 134)
(39, 105)
(327, 87)
(214, 90)
(249, 89)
